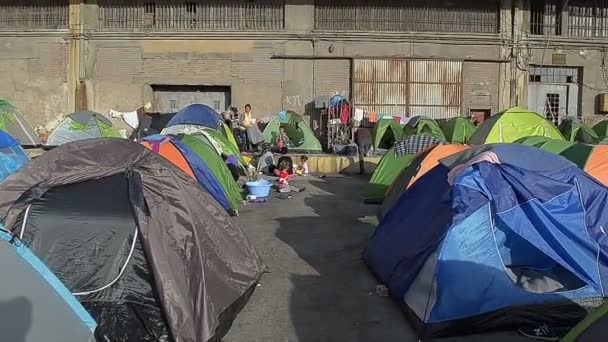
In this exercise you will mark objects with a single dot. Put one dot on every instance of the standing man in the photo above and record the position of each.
(363, 139)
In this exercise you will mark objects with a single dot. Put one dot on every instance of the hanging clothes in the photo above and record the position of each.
(373, 117)
(345, 115)
(358, 114)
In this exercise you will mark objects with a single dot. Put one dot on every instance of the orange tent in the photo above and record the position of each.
(597, 164)
(171, 153)
(422, 163)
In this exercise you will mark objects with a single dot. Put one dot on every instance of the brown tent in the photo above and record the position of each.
(144, 248)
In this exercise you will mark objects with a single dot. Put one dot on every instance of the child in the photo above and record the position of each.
(282, 141)
(303, 168)
(284, 178)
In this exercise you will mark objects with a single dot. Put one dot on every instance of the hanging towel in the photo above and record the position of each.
(397, 119)
(345, 115)
(358, 114)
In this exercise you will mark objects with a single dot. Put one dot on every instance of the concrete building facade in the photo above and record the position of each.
(439, 58)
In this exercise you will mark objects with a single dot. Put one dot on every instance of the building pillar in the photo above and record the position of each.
(76, 100)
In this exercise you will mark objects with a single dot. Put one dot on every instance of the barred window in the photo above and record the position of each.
(193, 15)
(33, 14)
(545, 17)
(479, 16)
(588, 18)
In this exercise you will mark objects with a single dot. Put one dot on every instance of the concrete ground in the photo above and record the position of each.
(318, 288)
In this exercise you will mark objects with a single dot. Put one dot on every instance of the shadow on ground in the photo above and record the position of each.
(338, 304)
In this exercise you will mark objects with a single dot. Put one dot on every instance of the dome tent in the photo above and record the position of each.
(524, 221)
(422, 124)
(135, 274)
(512, 124)
(574, 129)
(207, 168)
(81, 126)
(36, 306)
(420, 165)
(302, 138)
(13, 123)
(12, 156)
(385, 133)
(593, 159)
(195, 118)
(393, 162)
(601, 129)
(219, 143)
(458, 130)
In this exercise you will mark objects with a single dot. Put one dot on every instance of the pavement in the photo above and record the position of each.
(318, 289)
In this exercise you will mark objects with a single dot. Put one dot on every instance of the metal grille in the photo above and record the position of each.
(588, 18)
(34, 15)
(408, 87)
(169, 15)
(545, 17)
(481, 16)
(552, 108)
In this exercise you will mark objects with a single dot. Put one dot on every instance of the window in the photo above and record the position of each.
(588, 18)
(196, 15)
(479, 16)
(556, 75)
(552, 108)
(545, 17)
(34, 14)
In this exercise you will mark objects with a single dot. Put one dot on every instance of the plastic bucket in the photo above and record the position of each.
(259, 188)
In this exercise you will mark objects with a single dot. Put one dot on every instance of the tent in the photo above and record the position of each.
(601, 128)
(591, 329)
(209, 170)
(393, 162)
(35, 305)
(80, 126)
(423, 124)
(591, 158)
(15, 124)
(513, 124)
(302, 138)
(495, 237)
(385, 133)
(574, 129)
(220, 144)
(458, 130)
(12, 155)
(195, 118)
(217, 165)
(195, 115)
(146, 251)
(420, 165)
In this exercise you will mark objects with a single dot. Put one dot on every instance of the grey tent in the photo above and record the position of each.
(81, 126)
(34, 304)
(147, 251)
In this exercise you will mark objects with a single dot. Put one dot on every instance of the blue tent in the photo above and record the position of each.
(35, 304)
(197, 114)
(518, 239)
(12, 155)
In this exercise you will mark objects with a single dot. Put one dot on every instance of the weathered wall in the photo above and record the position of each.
(34, 76)
(595, 79)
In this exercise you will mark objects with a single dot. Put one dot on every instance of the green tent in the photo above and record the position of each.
(513, 124)
(385, 133)
(393, 162)
(301, 137)
(574, 130)
(229, 135)
(601, 128)
(458, 130)
(15, 124)
(594, 328)
(220, 144)
(217, 166)
(423, 124)
(575, 152)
